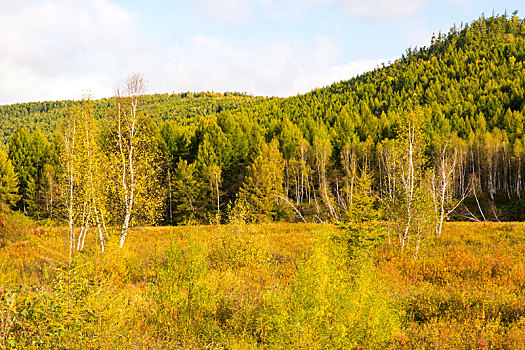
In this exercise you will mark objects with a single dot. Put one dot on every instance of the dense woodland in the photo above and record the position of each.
(444, 123)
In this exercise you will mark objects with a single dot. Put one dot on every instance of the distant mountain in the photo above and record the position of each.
(469, 80)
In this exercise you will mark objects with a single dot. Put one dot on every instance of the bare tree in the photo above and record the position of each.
(128, 125)
(322, 150)
(68, 163)
(517, 155)
(408, 172)
(349, 162)
(441, 181)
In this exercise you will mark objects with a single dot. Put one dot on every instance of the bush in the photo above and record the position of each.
(14, 226)
(232, 293)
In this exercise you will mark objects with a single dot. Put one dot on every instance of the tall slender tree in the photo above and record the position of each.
(136, 162)
(8, 182)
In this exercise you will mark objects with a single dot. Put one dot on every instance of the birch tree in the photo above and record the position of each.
(441, 185)
(409, 159)
(322, 149)
(517, 153)
(68, 162)
(135, 157)
(349, 163)
(83, 176)
(93, 176)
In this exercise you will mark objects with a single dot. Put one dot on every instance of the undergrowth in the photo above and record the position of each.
(271, 286)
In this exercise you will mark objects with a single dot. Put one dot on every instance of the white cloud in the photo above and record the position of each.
(380, 9)
(327, 75)
(417, 33)
(228, 12)
(274, 69)
(208, 63)
(58, 49)
(50, 48)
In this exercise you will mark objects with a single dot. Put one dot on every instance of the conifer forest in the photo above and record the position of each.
(380, 212)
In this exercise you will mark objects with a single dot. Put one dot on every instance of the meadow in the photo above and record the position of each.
(270, 286)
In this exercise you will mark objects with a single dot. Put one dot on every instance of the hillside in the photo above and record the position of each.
(47, 115)
(469, 79)
(467, 90)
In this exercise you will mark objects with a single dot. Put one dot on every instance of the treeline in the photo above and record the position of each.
(202, 158)
(47, 116)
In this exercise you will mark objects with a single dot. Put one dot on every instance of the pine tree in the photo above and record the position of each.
(186, 191)
(264, 183)
(362, 227)
(20, 155)
(8, 182)
(210, 173)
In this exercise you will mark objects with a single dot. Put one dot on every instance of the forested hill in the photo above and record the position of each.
(466, 91)
(184, 106)
(468, 81)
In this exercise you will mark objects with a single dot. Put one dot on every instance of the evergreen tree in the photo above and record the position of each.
(186, 192)
(210, 173)
(264, 183)
(8, 182)
(20, 155)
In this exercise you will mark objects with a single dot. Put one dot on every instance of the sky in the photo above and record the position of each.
(66, 49)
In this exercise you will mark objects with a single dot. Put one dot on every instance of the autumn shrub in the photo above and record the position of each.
(275, 286)
(235, 292)
(236, 246)
(334, 303)
(77, 310)
(14, 226)
(179, 310)
(465, 290)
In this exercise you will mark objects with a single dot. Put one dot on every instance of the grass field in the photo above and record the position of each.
(262, 286)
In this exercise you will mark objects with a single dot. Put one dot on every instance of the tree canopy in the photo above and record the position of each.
(468, 86)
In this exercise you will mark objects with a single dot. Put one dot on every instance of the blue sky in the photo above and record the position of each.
(63, 49)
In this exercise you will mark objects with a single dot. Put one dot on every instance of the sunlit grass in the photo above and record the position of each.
(263, 286)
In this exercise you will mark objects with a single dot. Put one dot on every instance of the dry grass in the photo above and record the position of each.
(270, 286)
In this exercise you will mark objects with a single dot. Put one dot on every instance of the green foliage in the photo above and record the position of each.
(515, 210)
(263, 183)
(362, 229)
(467, 86)
(29, 153)
(334, 304)
(222, 294)
(186, 191)
(363, 207)
(183, 296)
(8, 182)
(73, 312)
